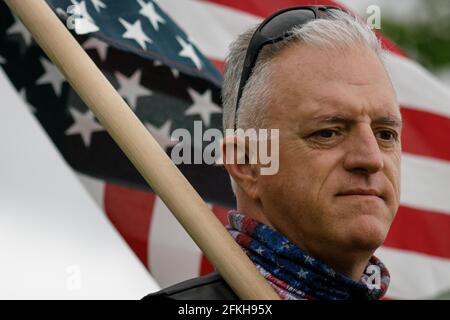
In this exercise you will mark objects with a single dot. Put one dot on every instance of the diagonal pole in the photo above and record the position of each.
(142, 149)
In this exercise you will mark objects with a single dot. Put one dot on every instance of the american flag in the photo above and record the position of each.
(168, 83)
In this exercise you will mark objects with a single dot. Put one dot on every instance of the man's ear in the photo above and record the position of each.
(236, 159)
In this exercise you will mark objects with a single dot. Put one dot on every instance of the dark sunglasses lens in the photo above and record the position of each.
(285, 21)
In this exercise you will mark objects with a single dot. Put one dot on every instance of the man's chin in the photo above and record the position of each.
(368, 233)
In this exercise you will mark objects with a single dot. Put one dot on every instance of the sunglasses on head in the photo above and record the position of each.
(274, 29)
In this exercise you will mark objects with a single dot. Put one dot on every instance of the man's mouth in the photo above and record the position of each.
(360, 192)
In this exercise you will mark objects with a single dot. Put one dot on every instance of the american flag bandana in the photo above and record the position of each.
(296, 275)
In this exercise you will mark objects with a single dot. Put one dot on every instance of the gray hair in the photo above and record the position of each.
(337, 30)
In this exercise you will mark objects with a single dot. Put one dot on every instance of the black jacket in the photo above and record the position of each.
(209, 287)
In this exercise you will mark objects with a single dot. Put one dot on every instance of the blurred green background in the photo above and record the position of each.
(419, 27)
(425, 37)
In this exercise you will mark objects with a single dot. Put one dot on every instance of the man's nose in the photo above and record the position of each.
(364, 154)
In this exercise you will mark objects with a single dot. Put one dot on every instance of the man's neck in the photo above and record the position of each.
(351, 264)
(347, 261)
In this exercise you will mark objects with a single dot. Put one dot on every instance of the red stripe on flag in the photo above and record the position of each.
(425, 133)
(266, 8)
(221, 214)
(390, 46)
(130, 211)
(205, 266)
(220, 65)
(421, 231)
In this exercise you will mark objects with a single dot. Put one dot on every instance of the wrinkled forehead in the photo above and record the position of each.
(339, 101)
(348, 110)
(310, 63)
(348, 80)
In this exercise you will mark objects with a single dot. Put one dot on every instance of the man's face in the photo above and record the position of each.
(338, 183)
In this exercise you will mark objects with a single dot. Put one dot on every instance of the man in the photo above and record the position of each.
(311, 229)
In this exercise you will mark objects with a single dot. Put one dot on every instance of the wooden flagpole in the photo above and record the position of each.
(142, 149)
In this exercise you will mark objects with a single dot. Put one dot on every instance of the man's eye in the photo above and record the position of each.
(387, 135)
(325, 134)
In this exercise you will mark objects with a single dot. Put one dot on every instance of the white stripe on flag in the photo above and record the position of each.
(173, 255)
(425, 183)
(414, 275)
(224, 24)
(95, 187)
(416, 87)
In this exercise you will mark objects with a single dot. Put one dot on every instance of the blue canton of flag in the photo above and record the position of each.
(164, 79)
(139, 27)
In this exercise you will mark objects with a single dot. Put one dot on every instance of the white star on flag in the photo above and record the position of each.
(98, 4)
(331, 272)
(51, 76)
(83, 23)
(309, 259)
(175, 72)
(148, 11)
(188, 51)
(260, 250)
(302, 274)
(84, 125)
(162, 135)
(286, 245)
(23, 95)
(100, 46)
(202, 105)
(18, 27)
(135, 32)
(131, 89)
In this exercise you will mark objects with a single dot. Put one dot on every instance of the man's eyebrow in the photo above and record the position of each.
(387, 120)
(331, 120)
(390, 121)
